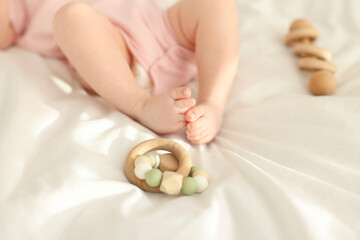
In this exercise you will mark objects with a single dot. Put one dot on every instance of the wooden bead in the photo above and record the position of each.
(171, 183)
(297, 35)
(201, 173)
(300, 23)
(168, 162)
(301, 31)
(322, 83)
(307, 50)
(313, 64)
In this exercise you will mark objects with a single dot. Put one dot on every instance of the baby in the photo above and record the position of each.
(106, 41)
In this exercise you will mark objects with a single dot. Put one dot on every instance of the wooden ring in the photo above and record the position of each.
(314, 64)
(298, 34)
(304, 50)
(152, 145)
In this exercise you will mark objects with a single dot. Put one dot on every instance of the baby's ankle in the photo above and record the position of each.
(137, 109)
(214, 101)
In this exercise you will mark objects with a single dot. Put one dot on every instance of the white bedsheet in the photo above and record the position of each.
(286, 165)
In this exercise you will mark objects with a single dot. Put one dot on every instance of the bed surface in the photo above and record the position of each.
(286, 165)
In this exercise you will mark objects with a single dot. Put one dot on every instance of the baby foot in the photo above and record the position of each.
(204, 122)
(166, 113)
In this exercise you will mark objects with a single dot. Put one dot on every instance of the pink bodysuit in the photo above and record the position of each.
(143, 23)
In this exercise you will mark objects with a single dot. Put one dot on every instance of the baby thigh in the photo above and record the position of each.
(84, 34)
(99, 54)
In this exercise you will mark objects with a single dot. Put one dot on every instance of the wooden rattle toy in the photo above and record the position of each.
(169, 173)
(313, 58)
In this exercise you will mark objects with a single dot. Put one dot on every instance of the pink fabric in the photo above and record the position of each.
(143, 23)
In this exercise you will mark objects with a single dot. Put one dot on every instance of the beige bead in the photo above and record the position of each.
(313, 64)
(308, 50)
(201, 173)
(301, 30)
(142, 158)
(168, 162)
(322, 83)
(171, 183)
(299, 34)
(300, 23)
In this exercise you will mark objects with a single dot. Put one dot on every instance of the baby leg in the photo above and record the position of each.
(209, 27)
(99, 54)
(7, 35)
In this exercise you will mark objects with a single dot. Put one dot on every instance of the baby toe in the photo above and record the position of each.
(181, 92)
(201, 122)
(195, 138)
(195, 132)
(194, 114)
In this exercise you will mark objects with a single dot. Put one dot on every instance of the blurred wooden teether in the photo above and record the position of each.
(300, 37)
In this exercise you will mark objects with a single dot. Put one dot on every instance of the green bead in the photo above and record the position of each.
(153, 160)
(189, 186)
(192, 170)
(153, 177)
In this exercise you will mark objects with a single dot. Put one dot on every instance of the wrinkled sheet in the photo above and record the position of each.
(285, 165)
